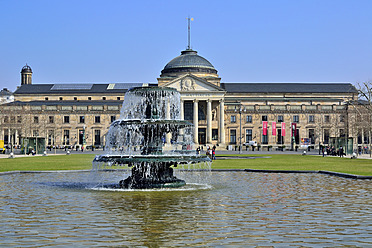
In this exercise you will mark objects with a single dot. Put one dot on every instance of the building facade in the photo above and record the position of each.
(273, 115)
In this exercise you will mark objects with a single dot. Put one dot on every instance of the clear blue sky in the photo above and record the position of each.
(132, 41)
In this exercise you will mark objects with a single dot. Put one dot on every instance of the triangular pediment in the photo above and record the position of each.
(191, 83)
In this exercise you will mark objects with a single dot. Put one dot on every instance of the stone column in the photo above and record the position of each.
(196, 120)
(209, 121)
(9, 135)
(16, 137)
(222, 121)
(182, 117)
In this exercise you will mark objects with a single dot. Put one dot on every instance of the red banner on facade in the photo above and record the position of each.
(283, 128)
(294, 129)
(274, 128)
(264, 127)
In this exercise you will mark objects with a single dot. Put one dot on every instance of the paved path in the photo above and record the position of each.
(218, 152)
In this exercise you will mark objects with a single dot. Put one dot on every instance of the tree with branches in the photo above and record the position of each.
(364, 109)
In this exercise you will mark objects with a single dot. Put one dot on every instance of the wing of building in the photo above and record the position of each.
(273, 115)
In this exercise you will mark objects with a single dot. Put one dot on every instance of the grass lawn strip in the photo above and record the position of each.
(269, 162)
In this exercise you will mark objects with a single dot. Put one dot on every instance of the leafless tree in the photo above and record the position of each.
(363, 108)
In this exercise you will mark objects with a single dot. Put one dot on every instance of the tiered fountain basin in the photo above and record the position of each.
(151, 138)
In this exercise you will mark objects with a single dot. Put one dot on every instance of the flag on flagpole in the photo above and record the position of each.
(264, 127)
(274, 128)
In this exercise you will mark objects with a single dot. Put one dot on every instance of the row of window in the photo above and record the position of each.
(89, 98)
(67, 138)
(295, 118)
(66, 119)
(279, 137)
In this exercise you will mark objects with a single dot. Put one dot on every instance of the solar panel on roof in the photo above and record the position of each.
(72, 87)
(124, 86)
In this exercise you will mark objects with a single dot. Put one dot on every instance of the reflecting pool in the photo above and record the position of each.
(233, 209)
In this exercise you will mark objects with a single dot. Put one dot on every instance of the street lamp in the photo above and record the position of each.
(241, 109)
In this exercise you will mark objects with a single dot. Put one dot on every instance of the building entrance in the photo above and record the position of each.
(202, 136)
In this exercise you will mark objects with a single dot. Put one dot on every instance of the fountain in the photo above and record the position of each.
(151, 138)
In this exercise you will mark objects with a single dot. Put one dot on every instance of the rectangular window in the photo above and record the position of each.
(6, 119)
(104, 98)
(312, 136)
(97, 137)
(360, 140)
(214, 134)
(19, 119)
(366, 138)
(311, 119)
(12, 119)
(249, 119)
(279, 137)
(326, 136)
(36, 119)
(51, 119)
(326, 118)
(46, 98)
(188, 111)
(296, 118)
(342, 118)
(66, 119)
(61, 98)
(232, 136)
(97, 119)
(265, 139)
(89, 98)
(342, 132)
(66, 137)
(264, 118)
(51, 137)
(233, 119)
(248, 135)
(35, 133)
(280, 118)
(297, 137)
(75, 98)
(82, 119)
(118, 98)
(113, 118)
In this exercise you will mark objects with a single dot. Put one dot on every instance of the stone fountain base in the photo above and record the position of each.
(152, 175)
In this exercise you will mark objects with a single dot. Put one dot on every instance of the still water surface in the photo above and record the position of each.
(238, 209)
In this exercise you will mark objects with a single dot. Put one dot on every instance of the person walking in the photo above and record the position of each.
(341, 151)
(213, 154)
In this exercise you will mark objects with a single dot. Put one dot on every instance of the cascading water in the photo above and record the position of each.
(151, 138)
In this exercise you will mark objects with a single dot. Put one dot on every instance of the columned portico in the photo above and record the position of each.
(196, 120)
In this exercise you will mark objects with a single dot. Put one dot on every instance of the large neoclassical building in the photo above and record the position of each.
(225, 114)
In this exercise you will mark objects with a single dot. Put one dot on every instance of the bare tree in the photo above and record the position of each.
(364, 108)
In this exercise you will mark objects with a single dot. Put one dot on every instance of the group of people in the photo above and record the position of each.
(362, 150)
(211, 152)
(327, 150)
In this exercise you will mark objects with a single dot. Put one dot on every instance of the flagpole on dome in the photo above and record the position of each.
(189, 36)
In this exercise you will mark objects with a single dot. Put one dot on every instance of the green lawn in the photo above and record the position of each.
(275, 162)
(299, 162)
(54, 162)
